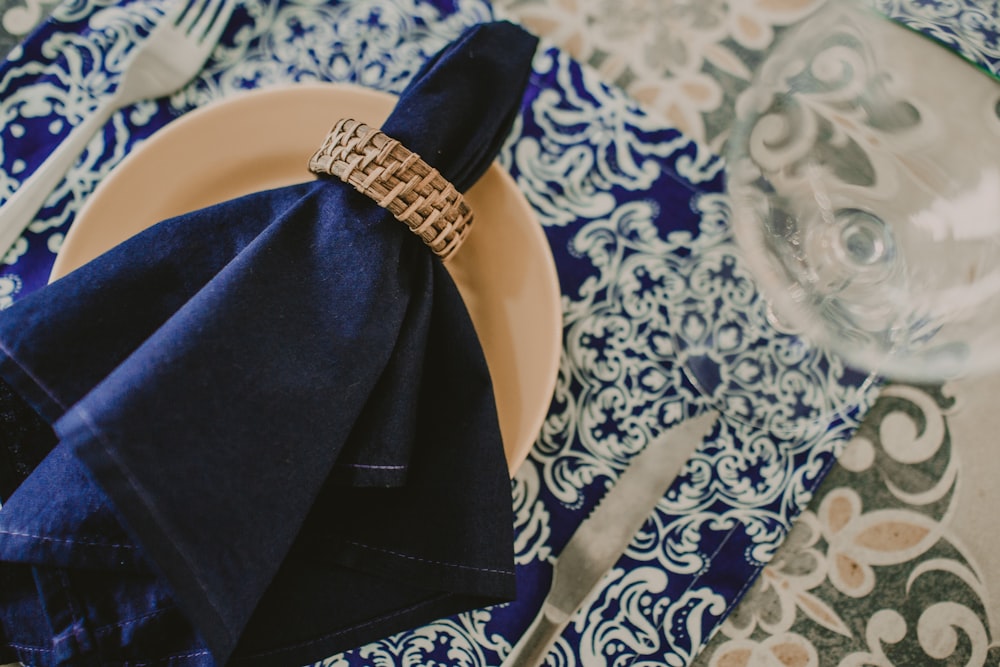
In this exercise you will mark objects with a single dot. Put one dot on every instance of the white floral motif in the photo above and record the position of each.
(666, 54)
(531, 520)
(460, 642)
(860, 540)
(684, 622)
(615, 379)
(938, 631)
(616, 628)
(784, 588)
(786, 649)
(593, 140)
(378, 45)
(80, 72)
(9, 287)
(19, 20)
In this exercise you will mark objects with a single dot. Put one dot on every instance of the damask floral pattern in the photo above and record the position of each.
(872, 572)
(20, 18)
(685, 61)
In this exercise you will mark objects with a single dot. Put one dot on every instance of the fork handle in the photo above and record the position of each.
(22, 207)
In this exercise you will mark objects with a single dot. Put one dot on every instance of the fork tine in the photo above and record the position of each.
(174, 13)
(214, 19)
(191, 13)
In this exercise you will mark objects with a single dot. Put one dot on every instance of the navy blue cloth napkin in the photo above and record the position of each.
(264, 431)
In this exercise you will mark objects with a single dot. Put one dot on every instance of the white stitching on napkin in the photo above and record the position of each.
(63, 540)
(369, 466)
(89, 423)
(159, 611)
(29, 648)
(38, 381)
(427, 560)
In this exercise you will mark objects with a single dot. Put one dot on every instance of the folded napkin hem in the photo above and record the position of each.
(459, 578)
(469, 586)
(33, 549)
(31, 388)
(368, 474)
(77, 432)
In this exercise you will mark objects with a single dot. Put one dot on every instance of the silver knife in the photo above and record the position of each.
(601, 539)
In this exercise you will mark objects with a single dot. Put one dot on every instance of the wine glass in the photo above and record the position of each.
(863, 171)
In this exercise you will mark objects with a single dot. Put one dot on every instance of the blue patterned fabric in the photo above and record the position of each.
(970, 28)
(661, 317)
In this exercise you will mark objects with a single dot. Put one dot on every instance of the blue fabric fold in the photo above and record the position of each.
(264, 431)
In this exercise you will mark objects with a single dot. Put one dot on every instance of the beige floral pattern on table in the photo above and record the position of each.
(784, 650)
(857, 541)
(683, 59)
(879, 571)
(19, 17)
(785, 587)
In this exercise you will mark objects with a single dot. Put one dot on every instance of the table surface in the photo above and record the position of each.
(892, 561)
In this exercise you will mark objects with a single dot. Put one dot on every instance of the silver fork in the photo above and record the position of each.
(173, 53)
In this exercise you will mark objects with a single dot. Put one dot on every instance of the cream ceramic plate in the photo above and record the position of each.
(263, 139)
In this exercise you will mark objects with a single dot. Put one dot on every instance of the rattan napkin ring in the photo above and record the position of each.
(397, 180)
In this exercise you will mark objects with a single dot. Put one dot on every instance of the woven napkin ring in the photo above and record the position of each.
(397, 180)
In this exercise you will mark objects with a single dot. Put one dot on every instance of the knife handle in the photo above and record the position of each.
(534, 644)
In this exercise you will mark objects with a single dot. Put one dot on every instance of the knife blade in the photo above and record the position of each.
(601, 539)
